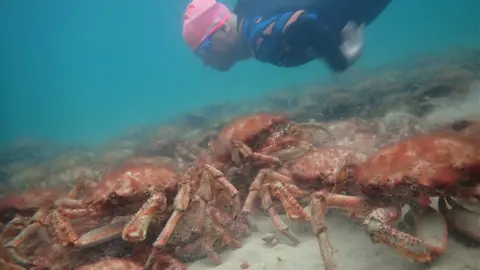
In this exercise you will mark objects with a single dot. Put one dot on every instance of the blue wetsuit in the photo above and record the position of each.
(290, 33)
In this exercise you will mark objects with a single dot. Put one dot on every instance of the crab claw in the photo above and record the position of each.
(429, 242)
(100, 235)
(464, 217)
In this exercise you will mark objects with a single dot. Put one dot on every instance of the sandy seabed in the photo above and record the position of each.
(354, 251)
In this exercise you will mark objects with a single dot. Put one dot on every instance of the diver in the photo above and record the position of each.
(285, 33)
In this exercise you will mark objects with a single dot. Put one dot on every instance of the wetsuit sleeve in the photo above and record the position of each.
(292, 39)
(284, 39)
(271, 41)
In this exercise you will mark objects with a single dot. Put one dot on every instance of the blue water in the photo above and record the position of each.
(82, 71)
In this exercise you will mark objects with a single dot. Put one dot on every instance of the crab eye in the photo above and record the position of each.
(112, 195)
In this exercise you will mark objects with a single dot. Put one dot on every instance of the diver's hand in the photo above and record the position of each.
(352, 37)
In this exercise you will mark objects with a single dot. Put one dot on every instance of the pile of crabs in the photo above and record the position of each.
(148, 215)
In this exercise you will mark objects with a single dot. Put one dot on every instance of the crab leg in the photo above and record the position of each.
(293, 209)
(318, 211)
(428, 245)
(243, 150)
(136, 228)
(205, 195)
(202, 196)
(180, 204)
(282, 188)
(218, 176)
(63, 228)
(71, 200)
(277, 221)
(40, 219)
(265, 177)
(18, 223)
(254, 190)
(100, 235)
(200, 217)
(284, 193)
(36, 223)
(284, 142)
(424, 248)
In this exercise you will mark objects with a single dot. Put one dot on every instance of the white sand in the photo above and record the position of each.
(355, 251)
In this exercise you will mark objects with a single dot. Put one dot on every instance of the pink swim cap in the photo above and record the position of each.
(201, 19)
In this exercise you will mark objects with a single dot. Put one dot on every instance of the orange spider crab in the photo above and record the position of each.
(445, 164)
(321, 168)
(251, 140)
(203, 186)
(120, 192)
(253, 137)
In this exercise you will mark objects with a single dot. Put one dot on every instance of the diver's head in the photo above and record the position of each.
(210, 30)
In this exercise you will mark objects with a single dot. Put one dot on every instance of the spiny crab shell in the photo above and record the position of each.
(438, 161)
(252, 130)
(322, 165)
(444, 164)
(133, 179)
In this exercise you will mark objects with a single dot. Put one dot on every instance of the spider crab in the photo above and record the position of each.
(253, 137)
(120, 192)
(443, 163)
(321, 168)
(34, 204)
(255, 141)
(8, 232)
(196, 210)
